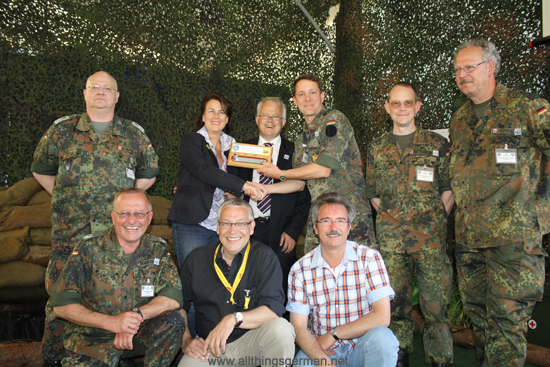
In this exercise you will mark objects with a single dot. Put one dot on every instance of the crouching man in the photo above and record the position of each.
(343, 287)
(236, 287)
(120, 292)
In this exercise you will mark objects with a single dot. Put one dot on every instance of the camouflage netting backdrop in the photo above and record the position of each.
(167, 54)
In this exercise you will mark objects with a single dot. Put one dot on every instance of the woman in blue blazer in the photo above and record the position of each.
(203, 181)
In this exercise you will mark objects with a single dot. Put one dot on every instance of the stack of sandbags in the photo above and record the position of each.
(159, 225)
(25, 246)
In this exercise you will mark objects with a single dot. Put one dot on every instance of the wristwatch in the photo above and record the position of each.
(239, 317)
(139, 312)
(283, 177)
(333, 333)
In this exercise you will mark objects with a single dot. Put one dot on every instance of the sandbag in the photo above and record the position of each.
(160, 202)
(39, 255)
(36, 216)
(160, 231)
(22, 233)
(21, 274)
(40, 197)
(40, 236)
(19, 194)
(160, 215)
(23, 308)
(12, 249)
(23, 295)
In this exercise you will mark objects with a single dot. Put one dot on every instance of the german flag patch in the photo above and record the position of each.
(541, 110)
(75, 252)
(331, 122)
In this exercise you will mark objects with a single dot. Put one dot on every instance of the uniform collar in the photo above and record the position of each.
(116, 128)
(317, 121)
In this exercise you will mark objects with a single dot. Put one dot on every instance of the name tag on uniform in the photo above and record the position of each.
(506, 156)
(305, 158)
(130, 174)
(147, 290)
(425, 174)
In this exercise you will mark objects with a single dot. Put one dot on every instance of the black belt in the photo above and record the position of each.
(262, 220)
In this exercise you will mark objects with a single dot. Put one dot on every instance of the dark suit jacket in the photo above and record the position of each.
(198, 177)
(289, 212)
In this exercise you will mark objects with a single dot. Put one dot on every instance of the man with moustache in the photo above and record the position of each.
(327, 157)
(83, 160)
(235, 286)
(120, 292)
(499, 176)
(343, 288)
(280, 218)
(408, 184)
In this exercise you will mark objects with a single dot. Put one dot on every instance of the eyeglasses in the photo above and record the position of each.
(267, 117)
(239, 225)
(326, 222)
(407, 103)
(137, 215)
(97, 88)
(468, 68)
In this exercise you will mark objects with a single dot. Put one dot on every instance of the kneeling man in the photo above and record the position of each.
(236, 287)
(120, 292)
(343, 287)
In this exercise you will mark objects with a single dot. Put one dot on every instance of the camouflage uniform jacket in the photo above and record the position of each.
(329, 141)
(501, 201)
(411, 216)
(89, 172)
(104, 279)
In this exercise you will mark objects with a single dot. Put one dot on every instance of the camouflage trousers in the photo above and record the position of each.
(159, 339)
(54, 328)
(362, 232)
(433, 272)
(499, 287)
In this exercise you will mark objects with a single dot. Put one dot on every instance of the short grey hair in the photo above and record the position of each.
(275, 100)
(237, 202)
(101, 71)
(332, 198)
(488, 50)
(133, 190)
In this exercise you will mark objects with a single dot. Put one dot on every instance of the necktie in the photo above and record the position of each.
(265, 204)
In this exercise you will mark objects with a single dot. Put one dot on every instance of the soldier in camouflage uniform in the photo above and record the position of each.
(408, 184)
(83, 161)
(499, 176)
(120, 291)
(327, 156)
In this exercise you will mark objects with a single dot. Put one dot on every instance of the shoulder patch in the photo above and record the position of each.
(529, 95)
(331, 131)
(62, 119)
(138, 126)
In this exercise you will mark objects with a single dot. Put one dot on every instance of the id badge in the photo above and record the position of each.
(305, 158)
(130, 174)
(506, 156)
(425, 174)
(147, 290)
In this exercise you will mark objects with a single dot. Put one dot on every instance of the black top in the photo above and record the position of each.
(201, 285)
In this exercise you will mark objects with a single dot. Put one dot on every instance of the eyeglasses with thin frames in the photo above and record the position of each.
(137, 215)
(275, 118)
(468, 68)
(326, 222)
(239, 225)
(407, 103)
(97, 88)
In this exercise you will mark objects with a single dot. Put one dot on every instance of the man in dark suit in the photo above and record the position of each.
(279, 218)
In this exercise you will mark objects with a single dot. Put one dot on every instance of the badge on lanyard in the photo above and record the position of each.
(147, 290)
(506, 155)
(424, 173)
(130, 174)
(305, 158)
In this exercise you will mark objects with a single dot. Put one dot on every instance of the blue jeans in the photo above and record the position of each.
(378, 347)
(187, 237)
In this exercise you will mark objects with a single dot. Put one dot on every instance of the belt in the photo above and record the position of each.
(262, 220)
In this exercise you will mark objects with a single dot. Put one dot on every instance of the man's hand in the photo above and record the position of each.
(270, 170)
(123, 341)
(229, 195)
(326, 341)
(194, 348)
(126, 322)
(287, 242)
(255, 190)
(218, 336)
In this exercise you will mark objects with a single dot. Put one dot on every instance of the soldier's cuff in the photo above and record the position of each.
(371, 192)
(173, 293)
(43, 169)
(444, 186)
(65, 298)
(150, 173)
(546, 154)
(328, 161)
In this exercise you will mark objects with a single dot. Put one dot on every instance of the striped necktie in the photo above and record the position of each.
(265, 204)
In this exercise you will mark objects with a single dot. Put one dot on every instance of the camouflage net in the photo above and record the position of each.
(167, 54)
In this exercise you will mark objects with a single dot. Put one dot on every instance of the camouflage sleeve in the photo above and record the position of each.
(73, 278)
(336, 135)
(148, 160)
(539, 125)
(370, 175)
(46, 155)
(444, 179)
(168, 283)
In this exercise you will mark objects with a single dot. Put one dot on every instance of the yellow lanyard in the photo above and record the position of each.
(233, 288)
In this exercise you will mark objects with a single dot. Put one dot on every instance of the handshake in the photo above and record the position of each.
(256, 191)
